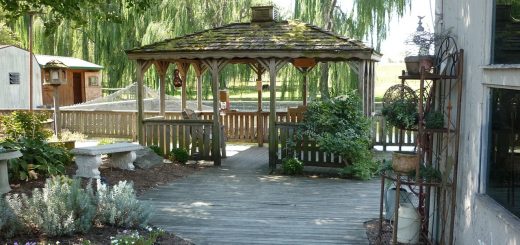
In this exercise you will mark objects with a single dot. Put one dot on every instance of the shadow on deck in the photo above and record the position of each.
(239, 203)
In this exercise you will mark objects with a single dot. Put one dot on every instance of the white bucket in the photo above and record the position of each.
(408, 225)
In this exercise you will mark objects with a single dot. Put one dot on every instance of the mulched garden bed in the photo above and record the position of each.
(143, 180)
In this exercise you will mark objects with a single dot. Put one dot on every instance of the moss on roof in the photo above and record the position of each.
(270, 36)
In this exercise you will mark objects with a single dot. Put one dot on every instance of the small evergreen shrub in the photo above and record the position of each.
(292, 166)
(156, 149)
(179, 155)
(339, 126)
(119, 206)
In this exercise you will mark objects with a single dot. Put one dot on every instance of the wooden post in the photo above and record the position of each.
(142, 66)
(162, 67)
(183, 72)
(30, 30)
(273, 65)
(305, 72)
(215, 66)
(361, 84)
(199, 71)
(259, 70)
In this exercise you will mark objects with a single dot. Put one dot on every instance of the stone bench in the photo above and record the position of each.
(88, 159)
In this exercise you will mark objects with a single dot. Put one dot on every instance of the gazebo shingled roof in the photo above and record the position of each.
(266, 45)
(288, 39)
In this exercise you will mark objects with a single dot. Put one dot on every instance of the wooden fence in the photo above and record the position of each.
(238, 126)
(305, 150)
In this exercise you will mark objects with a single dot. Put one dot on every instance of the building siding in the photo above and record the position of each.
(16, 96)
(479, 219)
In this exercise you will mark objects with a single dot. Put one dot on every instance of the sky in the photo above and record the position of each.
(393, 47)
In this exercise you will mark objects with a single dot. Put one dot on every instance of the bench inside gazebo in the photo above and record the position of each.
(265, 45)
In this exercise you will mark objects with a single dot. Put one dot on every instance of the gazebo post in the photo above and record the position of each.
(362, 84)
(372, 87)
(273, 66)
(199, 71)
(259, 70)
(142, 66)
(215, 66)
(183, 72)
(162, 67)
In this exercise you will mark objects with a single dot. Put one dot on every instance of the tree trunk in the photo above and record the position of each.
(324, 78)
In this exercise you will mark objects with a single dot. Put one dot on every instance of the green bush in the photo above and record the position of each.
(339, 126)
(25, 124)
(156, 149)
(25, 132)
(292, 166)
(179, 155)
(63, 207)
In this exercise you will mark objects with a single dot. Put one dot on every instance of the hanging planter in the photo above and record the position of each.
(177, 81)
(404, 162)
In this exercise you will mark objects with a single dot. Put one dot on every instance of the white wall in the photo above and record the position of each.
(479, 219)
(16, 96)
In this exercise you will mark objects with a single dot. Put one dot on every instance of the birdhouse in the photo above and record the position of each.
(55, 73)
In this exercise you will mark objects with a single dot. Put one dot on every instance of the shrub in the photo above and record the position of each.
(156, 149)
(25, 124)
(39, 157)
(179, 155)
(9, 223)
(292, 166)
(119, 206)
(339, 126)
(25, 132)
(61, 207)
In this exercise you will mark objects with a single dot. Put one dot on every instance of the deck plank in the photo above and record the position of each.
(239, 203)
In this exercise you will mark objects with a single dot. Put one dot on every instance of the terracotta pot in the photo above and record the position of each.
(415, 63)
(404, 162)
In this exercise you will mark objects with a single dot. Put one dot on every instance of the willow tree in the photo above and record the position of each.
(365, 20)
(111, 27)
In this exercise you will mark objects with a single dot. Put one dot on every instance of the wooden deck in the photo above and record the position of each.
(239, 203)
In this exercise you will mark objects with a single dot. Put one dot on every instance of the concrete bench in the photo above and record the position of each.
(88, 159)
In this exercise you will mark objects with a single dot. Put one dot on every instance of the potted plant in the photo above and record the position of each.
(421, 47)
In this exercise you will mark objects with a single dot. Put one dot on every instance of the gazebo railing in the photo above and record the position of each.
(306, 150)
(193, 135)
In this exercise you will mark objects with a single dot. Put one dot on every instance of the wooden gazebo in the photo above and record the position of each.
(265, 45)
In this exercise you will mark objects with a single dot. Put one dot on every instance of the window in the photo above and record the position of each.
(506, 48)
(93, 81)
(14, 78)
(504, 149)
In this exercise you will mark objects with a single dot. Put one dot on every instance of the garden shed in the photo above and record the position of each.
(265, 45)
